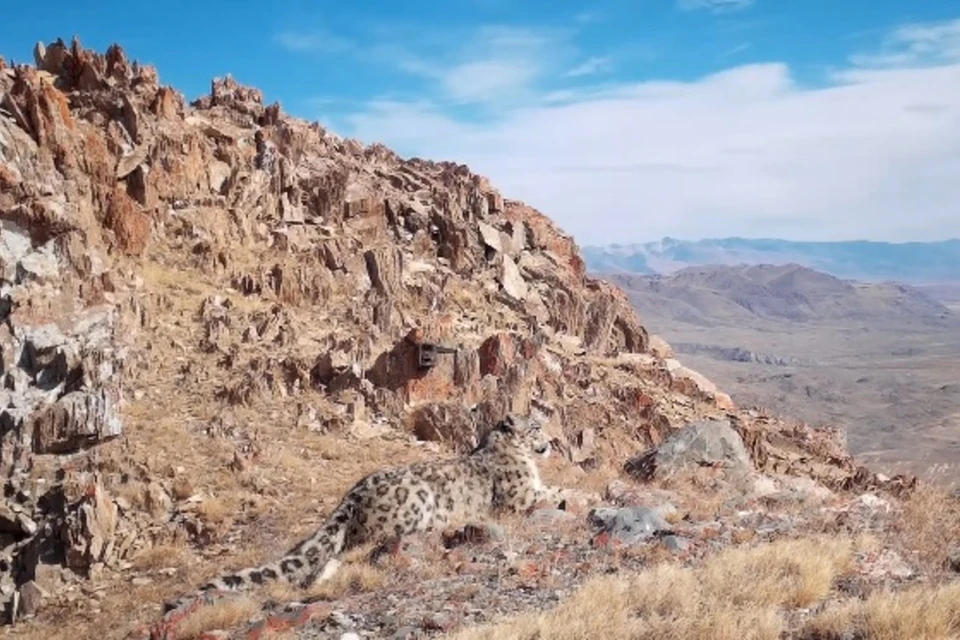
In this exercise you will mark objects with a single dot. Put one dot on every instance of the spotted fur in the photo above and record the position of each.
(500, 474)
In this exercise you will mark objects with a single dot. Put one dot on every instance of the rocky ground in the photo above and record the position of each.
(216, 318)
(697, 498)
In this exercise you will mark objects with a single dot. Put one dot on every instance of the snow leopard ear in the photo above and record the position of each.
(507, 425)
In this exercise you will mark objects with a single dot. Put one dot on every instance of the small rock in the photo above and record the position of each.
(340, 619)
(886, 564)
(660, 347)
(48, 577)
(490, 236)
(156, 499)
(31, 598)
(350, 635)
(27, 525)
(585, 447)
(676, 543)
(631, 525)
(953, 559)
(802, 489)
(141, 581)
(873, 502)
(762, 485)
(182, 488)
(616, 489)
(441, 621)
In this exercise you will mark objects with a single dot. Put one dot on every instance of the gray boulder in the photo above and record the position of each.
(712, 443)
(632, 525)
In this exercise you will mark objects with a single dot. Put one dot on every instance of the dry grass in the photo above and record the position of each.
(929, 524)
(217, 509)
(134, 493)
(161, 557)
(351, 579)
(221, 615)
(921, 613)
(734, 595)
(355, 575)
(557, 471)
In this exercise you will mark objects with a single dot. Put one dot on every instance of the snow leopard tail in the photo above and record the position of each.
(306, 559)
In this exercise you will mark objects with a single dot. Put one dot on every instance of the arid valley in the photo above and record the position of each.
(880, 360)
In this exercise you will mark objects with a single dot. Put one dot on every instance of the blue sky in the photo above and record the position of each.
(623, 120)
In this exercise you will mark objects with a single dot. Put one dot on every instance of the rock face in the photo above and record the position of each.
(64, 392)
(703, 443)
(179, 265)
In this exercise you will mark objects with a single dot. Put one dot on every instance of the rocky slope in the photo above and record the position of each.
(218, 317)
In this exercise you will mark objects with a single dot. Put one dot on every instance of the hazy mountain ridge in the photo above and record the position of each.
(914, 262)
(731, 295)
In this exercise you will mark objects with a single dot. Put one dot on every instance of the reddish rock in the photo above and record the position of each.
(497, 353)
(130, 226)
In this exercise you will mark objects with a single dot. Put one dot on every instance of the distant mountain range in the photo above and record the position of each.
(912, 262)
(743, 295)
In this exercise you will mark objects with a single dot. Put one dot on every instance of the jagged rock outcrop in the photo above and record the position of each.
(205, 261)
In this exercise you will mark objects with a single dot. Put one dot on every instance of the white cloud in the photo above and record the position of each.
(500, 64)
(916, 44)
(716, 6)
(491, 65)
(486, 80)
(743, 152)
(590, 66)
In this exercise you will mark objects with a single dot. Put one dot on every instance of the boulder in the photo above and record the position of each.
(490, 237)
(89, 530)
(75, 421)
(632, 525)
(712, 443)
(31, 598)
(513, 283)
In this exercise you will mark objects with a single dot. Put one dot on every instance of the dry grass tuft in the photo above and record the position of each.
(834, 621)
(216, 509)
(929, 523)
(161, 557)
(794, 573)
(134, 493)
(224, 614)
(921, 613)
(734, 595)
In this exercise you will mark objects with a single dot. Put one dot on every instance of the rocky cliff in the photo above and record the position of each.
(216, 316)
